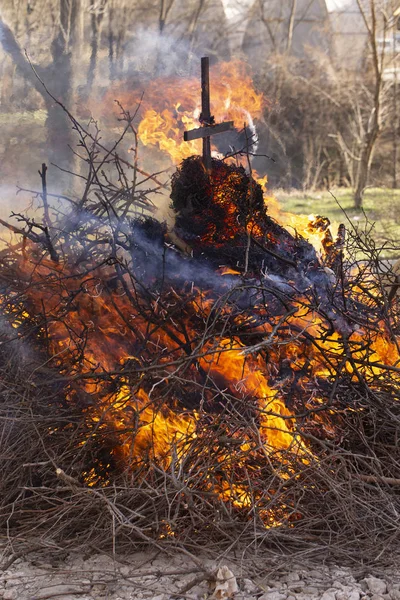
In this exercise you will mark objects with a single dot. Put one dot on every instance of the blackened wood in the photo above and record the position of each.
(42, 174)
(205, 109)
(202, 132)
(206, 119)
(205, 90)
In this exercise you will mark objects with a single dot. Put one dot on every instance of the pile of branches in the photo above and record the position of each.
(67, 478)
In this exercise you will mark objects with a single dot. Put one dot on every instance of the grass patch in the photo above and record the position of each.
(381, 210)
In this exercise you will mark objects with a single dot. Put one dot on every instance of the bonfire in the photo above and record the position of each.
(219, 381)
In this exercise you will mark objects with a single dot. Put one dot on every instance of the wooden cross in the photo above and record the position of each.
(208, 127)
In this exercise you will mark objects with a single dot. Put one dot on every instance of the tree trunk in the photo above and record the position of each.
(13, 49)
(58, 77)
(60, 80)
(395, 118)
(365, 167)
(96, 18)
(291, 26)
(375, 118)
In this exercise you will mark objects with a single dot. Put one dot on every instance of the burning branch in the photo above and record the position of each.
(42, 174)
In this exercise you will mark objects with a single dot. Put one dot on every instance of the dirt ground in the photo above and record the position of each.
(163, 577)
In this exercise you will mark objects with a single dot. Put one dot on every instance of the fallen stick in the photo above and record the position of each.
(204, 576)
(379, 479)
(68, 591)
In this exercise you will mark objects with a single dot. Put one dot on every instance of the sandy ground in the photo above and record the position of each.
(160, 577)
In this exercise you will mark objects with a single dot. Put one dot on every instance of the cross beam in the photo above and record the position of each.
(208, 128)
(202, 132)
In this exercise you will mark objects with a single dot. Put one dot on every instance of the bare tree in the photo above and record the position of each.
(165, 7)
(59, 74)
(373, 122)
(291, 25)
(367, 98)
(97, 11)
(323, 104)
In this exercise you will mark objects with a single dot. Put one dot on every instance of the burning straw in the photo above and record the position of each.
(244, 394)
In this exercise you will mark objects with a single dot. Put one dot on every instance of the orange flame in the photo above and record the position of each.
(147, 427)
(233, 97)
(172, 105)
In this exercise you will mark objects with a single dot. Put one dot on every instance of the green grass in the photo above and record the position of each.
(381, 207)
(28, 117)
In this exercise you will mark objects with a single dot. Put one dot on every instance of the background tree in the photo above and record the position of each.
(367, 98)
(328, 121)
(371, 123)
(57, 72)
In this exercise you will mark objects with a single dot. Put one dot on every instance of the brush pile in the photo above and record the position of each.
(244, 395)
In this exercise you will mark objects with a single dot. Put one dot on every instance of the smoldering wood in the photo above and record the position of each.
(196, 208)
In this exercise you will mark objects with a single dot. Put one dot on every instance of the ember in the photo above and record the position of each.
(224, 359)
(220, 214)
